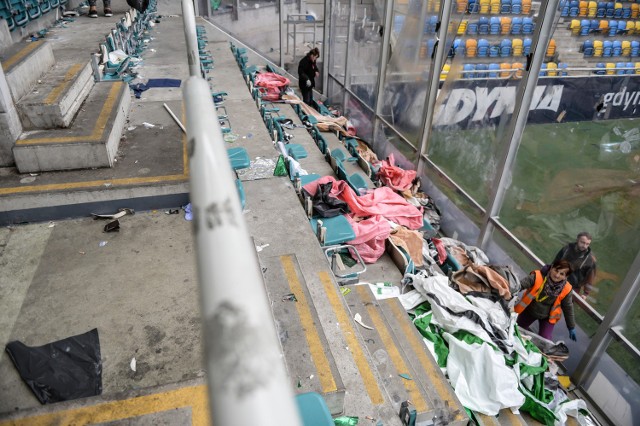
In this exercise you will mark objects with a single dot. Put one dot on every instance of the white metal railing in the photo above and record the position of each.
(247, 381)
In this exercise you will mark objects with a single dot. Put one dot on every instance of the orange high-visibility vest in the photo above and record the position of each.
(529, 295)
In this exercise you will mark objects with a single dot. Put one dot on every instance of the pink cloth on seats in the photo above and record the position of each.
(370, 236)
(394, 176)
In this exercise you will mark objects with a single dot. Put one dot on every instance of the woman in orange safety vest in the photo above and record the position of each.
(545, 298)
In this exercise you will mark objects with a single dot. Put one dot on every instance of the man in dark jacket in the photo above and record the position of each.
(583, 263)
(307, 73)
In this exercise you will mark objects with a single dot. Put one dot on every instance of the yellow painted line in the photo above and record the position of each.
(68, 78)
(98, 129)
(21, 54)
(185, 154)
(318, 356)
(370, 382)
(194, 397)
(394, 354)
(487, 420)
(430, 367)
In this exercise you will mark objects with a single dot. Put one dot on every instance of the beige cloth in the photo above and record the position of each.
(411, 241)
(481, 278)
(325, 123)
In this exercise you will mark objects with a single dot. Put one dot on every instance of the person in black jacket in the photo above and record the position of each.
(307, 73)
(583, 263)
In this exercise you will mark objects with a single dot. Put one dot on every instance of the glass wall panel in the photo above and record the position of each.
(365, 44)
(335, 94)
(631, 330)
(407, 75)
(339, 27)
(361, 117)
(388, 141)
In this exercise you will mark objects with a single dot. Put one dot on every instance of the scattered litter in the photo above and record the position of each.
(405, 376)
(311, 377)
(299, 383)
(384, 290)
(135, 162)
(148, 125)
(230, 137)
(153, 50)
(358, 319)
(345, 290)
(373, 419)
(68, 13)
(28, 179)
(107, 185)
(172, 211)
(52, 224)
(103, 243)
(82, 252)
(34, 174)
(249, 135)
(112, 226)
(260, 168)
(121, 212)
(133, 364)
(345, 421)
(289, 297)
(262, 247)
(132, 128)
(188, 215)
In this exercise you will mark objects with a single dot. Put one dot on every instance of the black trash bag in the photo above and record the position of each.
(68, 369)
(325, 205)
(139, 5)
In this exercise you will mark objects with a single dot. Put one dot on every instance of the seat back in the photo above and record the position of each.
(552, 69)
(461, 6)
(505, 68)
(617, 10)
(494, 7)
(635, 48)
(611, 68)
(526, 7)
(516, 46)
(574, 8)
(516, 26)
(562, 69)
(483, 25)
(626, 12)
(574, 26)
(585, 26)
(526, 46)
(471, 47)
(493, 68)
(505, 48)
(617, 48)
(583, 8)
(602, 9)
(516, 7)
(481, 71)
(445, 71)
(543, 70)
(593, 9)
(551, 48)
(485, 6)
(505, 25)
(587, 48)
(637, 68)
(494, 26)
(564, 8)
(600, 68)
(613, 27)
(635, 8)
(597, 48)
(483, 48)
(472, 28)
(505, 6)
(527, 25)
(607, 49)
(630, 68)
(462, 28)
(468, 71)
(519, 67)
(620, 68)
(610, 10)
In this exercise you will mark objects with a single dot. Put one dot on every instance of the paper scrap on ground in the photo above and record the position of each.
(358, 319)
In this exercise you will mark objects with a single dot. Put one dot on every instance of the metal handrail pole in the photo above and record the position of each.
(246, 374)
(189, 22)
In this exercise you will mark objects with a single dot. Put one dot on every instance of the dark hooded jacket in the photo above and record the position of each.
(583, 264)
(307, 71)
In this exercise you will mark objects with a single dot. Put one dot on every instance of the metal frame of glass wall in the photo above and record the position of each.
(491, 228)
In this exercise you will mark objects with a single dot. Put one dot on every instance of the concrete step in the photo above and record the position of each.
(91, 142)
(309, 361)
(24, 64)
(57, 97)
(397, 347)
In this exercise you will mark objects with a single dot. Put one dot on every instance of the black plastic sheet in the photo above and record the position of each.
(68, 369)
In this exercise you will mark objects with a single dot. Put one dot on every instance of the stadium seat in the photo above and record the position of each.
(526, 46)
(516, 46)
(494, 7)
(574, 26)
(637, 27)
(635, 8)
(583, 8)
(516, 26)
(505, 25)
(607, 49)
(474, 6)
(617, 10)
(483, 68)
(493, 70)
(505, 48)
(604, 26)
(626, 12)
(602, 9)
(494, 26)
(637, 67)
(616, 48)
(432, 23)
(594, 26)
(585, 25)
(611, 68)
(597, 48)
(574, 8)
(494, 51)
(483, 26)
(630, 68)
(527, 25)
(483, 48)
(593, 9)
(564, 8)
(562, 69)
(620, 68)
(445, 71)
(484, 6)
(551, 48)
(543, 70)
(468, 71)
(505, 70)
(600, 68)
(526, 7)
(472, 28)
(635, 49)
(471, 47)
(516, 7)
(613, 27)
(462, 28)
(505, 6)
(552, 69)
(587, 48)
(461, 6)
(610, 10)
(630, 28)
(519, 67)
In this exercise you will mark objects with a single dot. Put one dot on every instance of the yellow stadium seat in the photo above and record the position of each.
(611, 68)
(552, 69)
(637, 66)
(631, 27)
(593, 9)
(597, 48)
(635, 8)
(575, 26)
(485, 6)
(445, 71)
(462, 28)
(516, 46)
(494, 7)
(626, 48)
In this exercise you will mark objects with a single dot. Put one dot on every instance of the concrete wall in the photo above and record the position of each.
(10, 126)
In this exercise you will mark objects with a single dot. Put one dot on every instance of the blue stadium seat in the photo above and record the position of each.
(600, 68)
(620, 68)
(607, 49)
(630, 68)
(483, 26)
(505, 6)
(617, 12)
(585, 25)
(562, 67)
(564, 8)
(527, 25)
(574, 8)
(483, 48)
(494, 25)
(474, 6)
(613, 27)
(616, 48)
(433, 22)
(635, 49)
(526, 46)
(516, 26)
(626, 12)
(543, 70)
(472, 28)
(601, 11)
(494, 51)
(610, 9)
(594, 26)
(516, 7)
(468, 71)
(482, 67)
(494, 68)
(587, 48)
(505, 47)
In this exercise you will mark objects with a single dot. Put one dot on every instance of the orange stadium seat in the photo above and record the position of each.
(526, 7)
(551, 49)
(604, 26)
(505, 68)
(584, 8)
(519, 67)
(471, 47)
(505, 25)
(635, 8)
(461, 6)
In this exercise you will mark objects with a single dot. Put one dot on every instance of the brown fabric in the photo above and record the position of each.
(460, 255)
(411, 241)
(325, 123)
(366, 153)
(481, 278)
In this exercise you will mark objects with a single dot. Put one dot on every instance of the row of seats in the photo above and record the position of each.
(605, 27)
(608, 49)
(482, 48)
(495, 26)
(494, 7)
(592, 9)
(18, 13)
(509, 70)
(619, 68)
